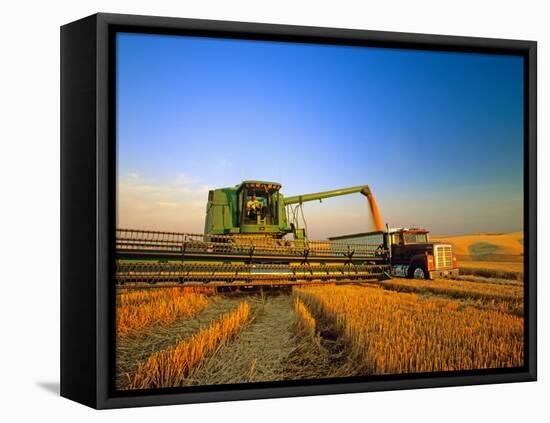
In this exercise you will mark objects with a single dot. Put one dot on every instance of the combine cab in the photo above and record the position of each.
(251, 237)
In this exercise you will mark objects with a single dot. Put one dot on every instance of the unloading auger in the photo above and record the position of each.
(251, 237)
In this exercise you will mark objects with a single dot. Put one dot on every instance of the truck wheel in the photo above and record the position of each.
(418, 271)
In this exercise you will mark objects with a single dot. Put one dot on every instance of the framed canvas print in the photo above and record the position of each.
(255, 211)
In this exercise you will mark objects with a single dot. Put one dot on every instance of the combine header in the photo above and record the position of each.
(245, 242)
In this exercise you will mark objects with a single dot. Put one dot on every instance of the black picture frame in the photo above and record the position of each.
(88, 156)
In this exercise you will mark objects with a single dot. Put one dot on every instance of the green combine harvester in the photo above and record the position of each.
(251, 237)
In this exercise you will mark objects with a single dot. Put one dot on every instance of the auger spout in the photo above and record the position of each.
(363, 189)
(297, 199)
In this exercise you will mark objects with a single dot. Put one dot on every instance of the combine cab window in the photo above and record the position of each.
(415, 238)
(258, 207)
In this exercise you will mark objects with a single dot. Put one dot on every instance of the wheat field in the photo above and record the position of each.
(136, 310)
(505, 297)
(196, 336)
(393, 332)
(169, 367)
(304, 320)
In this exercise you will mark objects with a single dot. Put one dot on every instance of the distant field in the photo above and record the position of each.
(489, 255)
(487, 247)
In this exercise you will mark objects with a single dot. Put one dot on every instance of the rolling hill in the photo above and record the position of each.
(486, 246)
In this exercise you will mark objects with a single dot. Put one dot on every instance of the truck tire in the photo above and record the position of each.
(418, 271)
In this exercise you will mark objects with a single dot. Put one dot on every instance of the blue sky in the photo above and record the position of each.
(437, 136)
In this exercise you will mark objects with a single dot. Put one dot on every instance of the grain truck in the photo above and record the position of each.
(410, 253)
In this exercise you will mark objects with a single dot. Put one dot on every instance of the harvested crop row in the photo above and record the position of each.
(144, 296)
(488, 270)
(392, 332)
(481, 279)
(458, 289)
(136, 312)
(170, 367)
(305, 322)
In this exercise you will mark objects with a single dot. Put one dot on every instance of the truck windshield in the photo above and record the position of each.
(414, 238)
